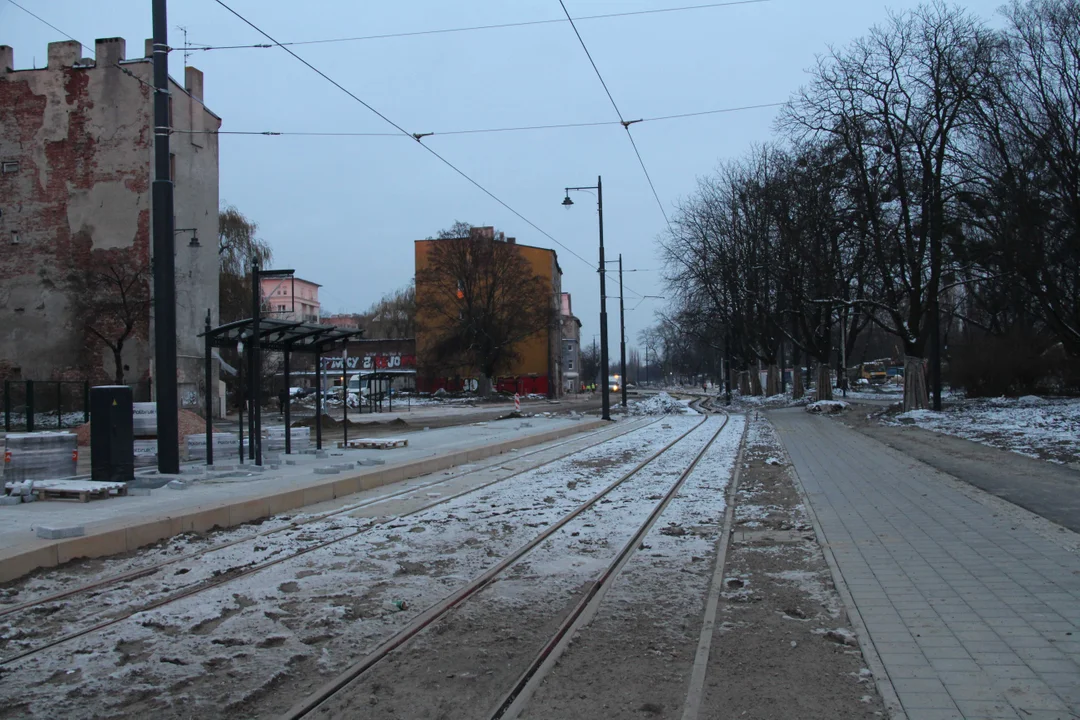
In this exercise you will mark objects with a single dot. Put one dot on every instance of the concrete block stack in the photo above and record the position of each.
(144, 425)
(275, 438)
(40, 456)
(225, 447)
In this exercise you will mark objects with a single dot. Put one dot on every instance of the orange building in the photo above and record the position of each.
(537, 369)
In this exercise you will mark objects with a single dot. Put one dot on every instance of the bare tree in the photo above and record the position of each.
(896, 102)
(478, 300)
(112, 296)
(394, 316)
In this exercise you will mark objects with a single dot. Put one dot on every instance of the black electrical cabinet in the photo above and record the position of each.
(112, 436)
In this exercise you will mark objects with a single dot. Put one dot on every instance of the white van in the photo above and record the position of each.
(614, 382)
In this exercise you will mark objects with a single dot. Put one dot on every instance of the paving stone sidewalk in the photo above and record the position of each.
(973, 614)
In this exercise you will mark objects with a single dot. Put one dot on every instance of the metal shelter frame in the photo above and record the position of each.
(276, 336)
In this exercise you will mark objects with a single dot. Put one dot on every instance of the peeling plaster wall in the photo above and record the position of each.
(81, 135)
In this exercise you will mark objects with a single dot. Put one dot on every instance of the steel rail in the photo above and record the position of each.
(306, 706)
(228, 577)
(138, 573)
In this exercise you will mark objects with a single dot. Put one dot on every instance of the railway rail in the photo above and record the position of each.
(516, 696)
(238, 573)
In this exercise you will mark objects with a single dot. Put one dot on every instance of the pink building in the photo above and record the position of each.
(291, 299)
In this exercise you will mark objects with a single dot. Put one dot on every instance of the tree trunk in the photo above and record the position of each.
(796, 384)
(824, 382)
(755, 382)
(118, 360)
(483, 386)
(744, 383)
(772, 381)
(915, 395)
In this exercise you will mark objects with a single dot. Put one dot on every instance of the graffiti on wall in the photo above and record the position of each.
(375, 361)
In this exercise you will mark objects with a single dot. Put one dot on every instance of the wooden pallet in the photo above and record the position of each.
(375, 443)
(81, 490)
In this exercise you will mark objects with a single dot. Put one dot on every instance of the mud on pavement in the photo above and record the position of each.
(783, 646)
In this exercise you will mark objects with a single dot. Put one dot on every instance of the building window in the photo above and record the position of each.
(11, 167)
(170, 112)
(172, 167)
(570, 365)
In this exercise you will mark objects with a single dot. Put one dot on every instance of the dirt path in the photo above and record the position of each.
(782, 647)
(1046, 489)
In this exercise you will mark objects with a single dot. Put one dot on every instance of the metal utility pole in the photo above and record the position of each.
(168, 431)
(256, 363)
(604, 386)
(622, 336)
(209, 370)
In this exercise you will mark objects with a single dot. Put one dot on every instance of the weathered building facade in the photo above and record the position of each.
(538, 367)
(571, 347)
(76, 153)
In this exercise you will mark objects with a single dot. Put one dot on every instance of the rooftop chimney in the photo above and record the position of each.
(109, 51)
(7, 58)
(63, 54)
(193, 82)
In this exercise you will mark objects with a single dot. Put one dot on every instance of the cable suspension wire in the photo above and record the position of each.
(437, 133)
(626, 125)
(498, 26)
(405, 132)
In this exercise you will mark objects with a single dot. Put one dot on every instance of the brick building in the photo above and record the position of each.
(538, 369)
(76, 153)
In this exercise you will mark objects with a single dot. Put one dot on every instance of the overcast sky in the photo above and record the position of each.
(343, 211)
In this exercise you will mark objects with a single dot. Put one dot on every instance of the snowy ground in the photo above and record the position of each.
(224, 651)
(661, 404)
(1031, 426)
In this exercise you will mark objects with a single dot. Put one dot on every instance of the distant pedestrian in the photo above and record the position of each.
(282, 398)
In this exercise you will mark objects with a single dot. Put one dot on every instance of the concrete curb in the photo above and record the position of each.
(866, 644)
(125, 537)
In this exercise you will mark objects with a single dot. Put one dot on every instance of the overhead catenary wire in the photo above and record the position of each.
(405, 132)
(473, 28)
(626, 124)
(478, 131)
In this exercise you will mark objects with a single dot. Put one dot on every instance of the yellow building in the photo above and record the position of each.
(537, 369)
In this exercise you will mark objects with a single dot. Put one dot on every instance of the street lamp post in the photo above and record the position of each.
(605, 388)
(240, 395)
(622, 336)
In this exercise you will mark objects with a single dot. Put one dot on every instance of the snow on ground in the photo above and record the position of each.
(827, 407)
(661, 404)
(326, 605)
(1032, 426)
(675, 560)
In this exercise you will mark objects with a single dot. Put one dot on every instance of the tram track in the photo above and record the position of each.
(579, 614)
(232, 574)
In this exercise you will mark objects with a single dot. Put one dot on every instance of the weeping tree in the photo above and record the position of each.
(238, 249)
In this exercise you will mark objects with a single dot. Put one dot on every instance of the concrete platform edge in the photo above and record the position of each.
(127, 537)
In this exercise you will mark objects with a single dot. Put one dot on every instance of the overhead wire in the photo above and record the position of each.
(497, 26)
(476, 131)
(626, 125)
(405, 132)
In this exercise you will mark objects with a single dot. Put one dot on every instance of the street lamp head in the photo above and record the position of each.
(239, 346)
(567, 202)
